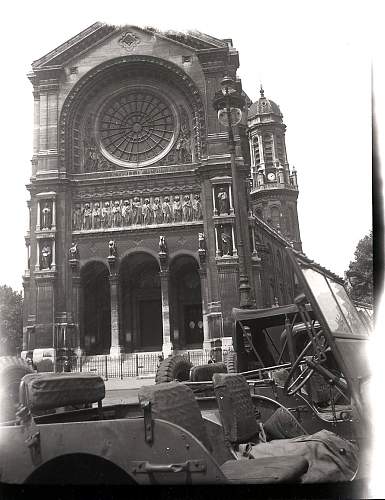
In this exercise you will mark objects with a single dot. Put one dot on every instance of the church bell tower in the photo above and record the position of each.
(274, 189)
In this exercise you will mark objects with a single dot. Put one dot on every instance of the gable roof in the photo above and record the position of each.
(98, 31)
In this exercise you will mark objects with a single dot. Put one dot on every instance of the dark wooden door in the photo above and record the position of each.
(151, 331)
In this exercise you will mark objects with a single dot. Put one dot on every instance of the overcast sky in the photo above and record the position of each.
(313, 59)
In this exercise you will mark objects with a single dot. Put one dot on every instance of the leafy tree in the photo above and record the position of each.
(11, 320)
(360, 272)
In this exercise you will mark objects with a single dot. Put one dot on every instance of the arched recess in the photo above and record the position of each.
(96, 311)
(186, 302)
(122, 71)
(141, 305)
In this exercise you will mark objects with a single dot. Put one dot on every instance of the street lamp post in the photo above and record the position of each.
(229, 103)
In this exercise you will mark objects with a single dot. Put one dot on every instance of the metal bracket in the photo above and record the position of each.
(148, 423)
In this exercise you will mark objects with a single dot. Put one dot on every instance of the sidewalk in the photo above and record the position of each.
(128, 383)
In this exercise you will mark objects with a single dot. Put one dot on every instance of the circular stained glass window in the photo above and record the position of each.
(137, 127)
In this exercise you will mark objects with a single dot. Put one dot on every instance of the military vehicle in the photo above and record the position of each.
(181, 433)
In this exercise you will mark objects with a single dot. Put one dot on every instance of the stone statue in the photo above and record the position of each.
(74, 251)
(166, 210)
(183, 145)
(87, 217)
(113, 249)
(197, 207)
(177, 209)
(106, 215)
(162, 245)
(223, 201)
(136, 211)
(186, 209)
(202, 241)
(126, 213)
(226, 243)
(146, 212)
(116, 214)
(96, 216)
(77, 218)
(46, 257)
(157, 211)
(46, 217)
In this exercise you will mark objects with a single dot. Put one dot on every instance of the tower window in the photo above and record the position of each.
(280, 149)
(275, 217)
(257, 155)
(267, 148)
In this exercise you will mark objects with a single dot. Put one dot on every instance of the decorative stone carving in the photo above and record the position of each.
(113, 254)
(74, 251)
(96, 216)
(157, 211)
(46, 216)
(87, 217)
(177, 209)
(136, 211)
(113, 249)
(183, 145)
(197, 208)
(129, 41)
(223, 201)
(166, 209)
(116, 215)
(77, 218)
(226, 241)
(46, 257)
(162, 245)
(106, 215)
(74, 256)
(146, 211)
(93, 159)
(80, 95)
(163, 253)
(186, 209)
(202, 249)
(126, 213)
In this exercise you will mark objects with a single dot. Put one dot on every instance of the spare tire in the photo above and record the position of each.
(231, 361)
(12, 370)
(173, 368)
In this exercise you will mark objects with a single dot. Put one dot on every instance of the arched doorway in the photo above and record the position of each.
(186, 303)
(141, 305)
(96, 314)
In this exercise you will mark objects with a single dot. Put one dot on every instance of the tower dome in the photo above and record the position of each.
(264, 106)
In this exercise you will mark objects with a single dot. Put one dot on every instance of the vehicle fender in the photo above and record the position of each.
(121, 442)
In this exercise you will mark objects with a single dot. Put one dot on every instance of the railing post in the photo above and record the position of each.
(121, 367)
(136, 365)
(106, 368)
(80, 363)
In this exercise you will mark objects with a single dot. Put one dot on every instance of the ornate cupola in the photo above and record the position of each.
(274, 188)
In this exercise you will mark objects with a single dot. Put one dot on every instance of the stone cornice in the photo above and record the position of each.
(74, 45)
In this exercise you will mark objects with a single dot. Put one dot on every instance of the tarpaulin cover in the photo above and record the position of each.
(41, 391)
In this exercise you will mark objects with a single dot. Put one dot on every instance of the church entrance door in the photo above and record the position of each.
(141, 306)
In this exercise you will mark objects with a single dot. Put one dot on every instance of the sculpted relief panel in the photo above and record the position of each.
(137, 211)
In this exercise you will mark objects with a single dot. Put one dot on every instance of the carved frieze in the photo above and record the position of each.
(147, 210)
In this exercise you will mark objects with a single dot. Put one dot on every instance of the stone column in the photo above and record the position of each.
(116, 347)
(76, 298)
(167, 347)
(204, 292)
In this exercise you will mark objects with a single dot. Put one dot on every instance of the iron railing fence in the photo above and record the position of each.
(131, 364)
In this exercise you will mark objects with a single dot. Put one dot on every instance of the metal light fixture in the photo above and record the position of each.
(229, 102)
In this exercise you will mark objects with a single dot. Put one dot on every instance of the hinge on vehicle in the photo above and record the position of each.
(148, 424)
(31, 432)
(144, 467)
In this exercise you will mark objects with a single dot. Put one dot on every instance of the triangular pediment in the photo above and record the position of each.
(99, 32)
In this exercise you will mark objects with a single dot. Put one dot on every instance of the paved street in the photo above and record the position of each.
(126, 390)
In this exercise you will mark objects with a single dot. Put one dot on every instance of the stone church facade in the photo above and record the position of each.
(131, 241)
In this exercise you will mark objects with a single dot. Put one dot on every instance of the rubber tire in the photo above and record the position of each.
(12, 370)
(231, 361)
(173, 368)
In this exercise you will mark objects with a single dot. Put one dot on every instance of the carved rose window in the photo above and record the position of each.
(137, 127)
